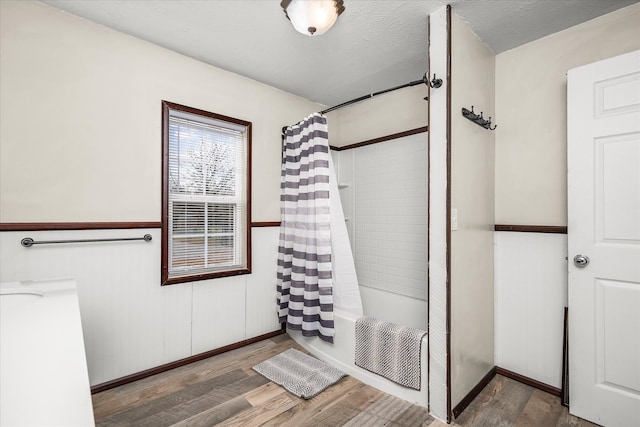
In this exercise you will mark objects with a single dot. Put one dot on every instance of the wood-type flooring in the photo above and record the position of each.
(224, 390)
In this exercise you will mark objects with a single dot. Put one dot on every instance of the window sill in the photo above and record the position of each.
(203, 276)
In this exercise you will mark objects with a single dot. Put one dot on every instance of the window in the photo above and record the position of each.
(205, 195)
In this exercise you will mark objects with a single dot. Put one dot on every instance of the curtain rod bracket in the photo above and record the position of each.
(435, 82)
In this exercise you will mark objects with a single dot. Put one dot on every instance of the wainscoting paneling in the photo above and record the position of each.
(261, 317)
(127, 318)
(530, 296)
(218, 313)
(130, 322)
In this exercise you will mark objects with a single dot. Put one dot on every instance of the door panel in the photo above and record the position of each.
(603, 124)
(617, 317)
(617, 95)
(616, 176)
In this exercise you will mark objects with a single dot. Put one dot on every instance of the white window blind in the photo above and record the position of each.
(207, 195)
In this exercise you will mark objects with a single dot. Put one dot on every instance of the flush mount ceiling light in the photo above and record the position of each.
(312, 17)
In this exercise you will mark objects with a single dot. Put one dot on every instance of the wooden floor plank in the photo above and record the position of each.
(568, 420)
(215, 397)
(346, 407)
(381, 412)
(259, 415)
(146, 389)
(302, 413)
(166, 402)
(217, 414)
(542, 410)
(264, 393)
(414, 415)
(224, 390)
(499, 404)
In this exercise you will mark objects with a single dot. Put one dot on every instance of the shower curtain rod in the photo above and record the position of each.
(424, 80)
(434, 83)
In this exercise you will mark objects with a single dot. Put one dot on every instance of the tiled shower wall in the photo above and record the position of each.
(384, 197)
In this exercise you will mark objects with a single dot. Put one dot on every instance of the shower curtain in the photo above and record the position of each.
(304, 279)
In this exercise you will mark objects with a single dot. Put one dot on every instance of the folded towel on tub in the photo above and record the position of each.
(389, 350)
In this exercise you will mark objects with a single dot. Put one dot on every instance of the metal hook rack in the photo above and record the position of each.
(478, 119)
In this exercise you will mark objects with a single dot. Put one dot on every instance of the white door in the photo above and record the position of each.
(604, 226)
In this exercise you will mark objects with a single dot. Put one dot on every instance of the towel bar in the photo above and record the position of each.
(27, 242)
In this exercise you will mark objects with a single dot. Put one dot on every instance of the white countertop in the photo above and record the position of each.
(43, 369)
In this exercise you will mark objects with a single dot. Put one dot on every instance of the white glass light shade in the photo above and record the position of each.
(312, 17)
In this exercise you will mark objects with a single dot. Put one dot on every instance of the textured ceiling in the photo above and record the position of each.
(375, 44)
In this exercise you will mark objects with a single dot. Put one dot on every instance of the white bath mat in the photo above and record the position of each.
(301, 374)
(389, 350)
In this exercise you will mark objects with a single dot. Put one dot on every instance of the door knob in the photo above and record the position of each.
(581, 261)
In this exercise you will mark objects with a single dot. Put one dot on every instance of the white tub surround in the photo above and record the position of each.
(386, 203)
(43, 370)
(341, 354)
(346, 293)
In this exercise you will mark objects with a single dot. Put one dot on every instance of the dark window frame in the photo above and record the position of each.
(165, 223)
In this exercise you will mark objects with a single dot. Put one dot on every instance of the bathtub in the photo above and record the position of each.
(341, 354)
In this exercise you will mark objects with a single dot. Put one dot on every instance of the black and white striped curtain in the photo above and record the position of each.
(305, 285)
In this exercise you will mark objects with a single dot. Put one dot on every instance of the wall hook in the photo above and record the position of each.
(489, 125)
(471, 115)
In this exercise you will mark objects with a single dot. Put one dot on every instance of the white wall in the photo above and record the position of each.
(530, 296)
(531, 161)
(531, 170)
(472, 194)
(383, 115)
(438, 171)
(80, 127)
(80, 141)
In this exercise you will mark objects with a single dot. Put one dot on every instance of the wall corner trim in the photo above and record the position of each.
(466, 401)
(47, 226)
(529, 381)
(266, 224)
(385, 138)
(554, 229)
(460, 407)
